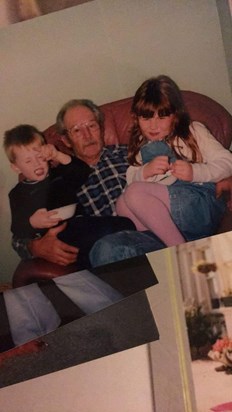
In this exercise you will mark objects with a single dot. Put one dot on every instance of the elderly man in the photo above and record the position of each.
(81, 124)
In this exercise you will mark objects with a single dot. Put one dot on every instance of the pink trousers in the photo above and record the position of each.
(148, 206)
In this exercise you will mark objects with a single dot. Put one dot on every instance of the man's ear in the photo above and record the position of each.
(15, 168)
(66, 141)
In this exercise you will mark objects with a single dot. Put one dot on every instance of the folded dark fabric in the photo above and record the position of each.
(121, 326)
(34, 310)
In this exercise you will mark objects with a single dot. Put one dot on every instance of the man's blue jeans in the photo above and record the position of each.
(123, 245)
(31, 314)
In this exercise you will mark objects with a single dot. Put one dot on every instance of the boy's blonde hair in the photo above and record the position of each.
(21, 135)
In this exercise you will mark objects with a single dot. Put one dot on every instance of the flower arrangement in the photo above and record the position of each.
(205, 267)
(228, 292)
(222, 352)
(202, 330)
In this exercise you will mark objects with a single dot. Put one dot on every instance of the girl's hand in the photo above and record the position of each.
(182, 170)
(157, 166)
(42, 219)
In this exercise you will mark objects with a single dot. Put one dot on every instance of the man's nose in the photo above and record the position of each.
(86, 133)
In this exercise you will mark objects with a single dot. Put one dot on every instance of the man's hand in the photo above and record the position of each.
(52, 249)
(225, 185)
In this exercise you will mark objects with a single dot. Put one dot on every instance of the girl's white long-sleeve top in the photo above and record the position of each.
(216, 164)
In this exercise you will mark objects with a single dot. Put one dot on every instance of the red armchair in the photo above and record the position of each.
(117, 125)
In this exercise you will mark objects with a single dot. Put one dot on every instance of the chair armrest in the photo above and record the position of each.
(226, 222)
(37, 270)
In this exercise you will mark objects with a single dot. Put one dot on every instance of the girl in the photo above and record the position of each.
(174, 167)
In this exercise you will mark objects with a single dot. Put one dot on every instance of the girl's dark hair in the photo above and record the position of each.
(160, 95)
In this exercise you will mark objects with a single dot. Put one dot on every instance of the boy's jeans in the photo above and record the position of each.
(123, 245)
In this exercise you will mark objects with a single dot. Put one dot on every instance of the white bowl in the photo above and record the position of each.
(65, 212)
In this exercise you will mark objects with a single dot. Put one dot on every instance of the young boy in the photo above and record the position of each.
(44, 188)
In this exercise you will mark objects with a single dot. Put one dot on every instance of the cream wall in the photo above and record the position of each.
(225, 16)
(102, 50)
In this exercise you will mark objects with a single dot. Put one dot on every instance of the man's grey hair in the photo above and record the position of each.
(75, 103)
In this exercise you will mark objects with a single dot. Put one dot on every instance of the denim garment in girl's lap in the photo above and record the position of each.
(151, 150)
(195, 209)
(157, 148)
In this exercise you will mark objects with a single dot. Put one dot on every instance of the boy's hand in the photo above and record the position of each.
(49, 152)
(182, 170)
(42, 219)
(158, 166)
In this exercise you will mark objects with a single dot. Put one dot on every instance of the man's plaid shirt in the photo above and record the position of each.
(100, 192)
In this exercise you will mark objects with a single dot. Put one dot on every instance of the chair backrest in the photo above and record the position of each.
(118, 120)
(212, 114)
